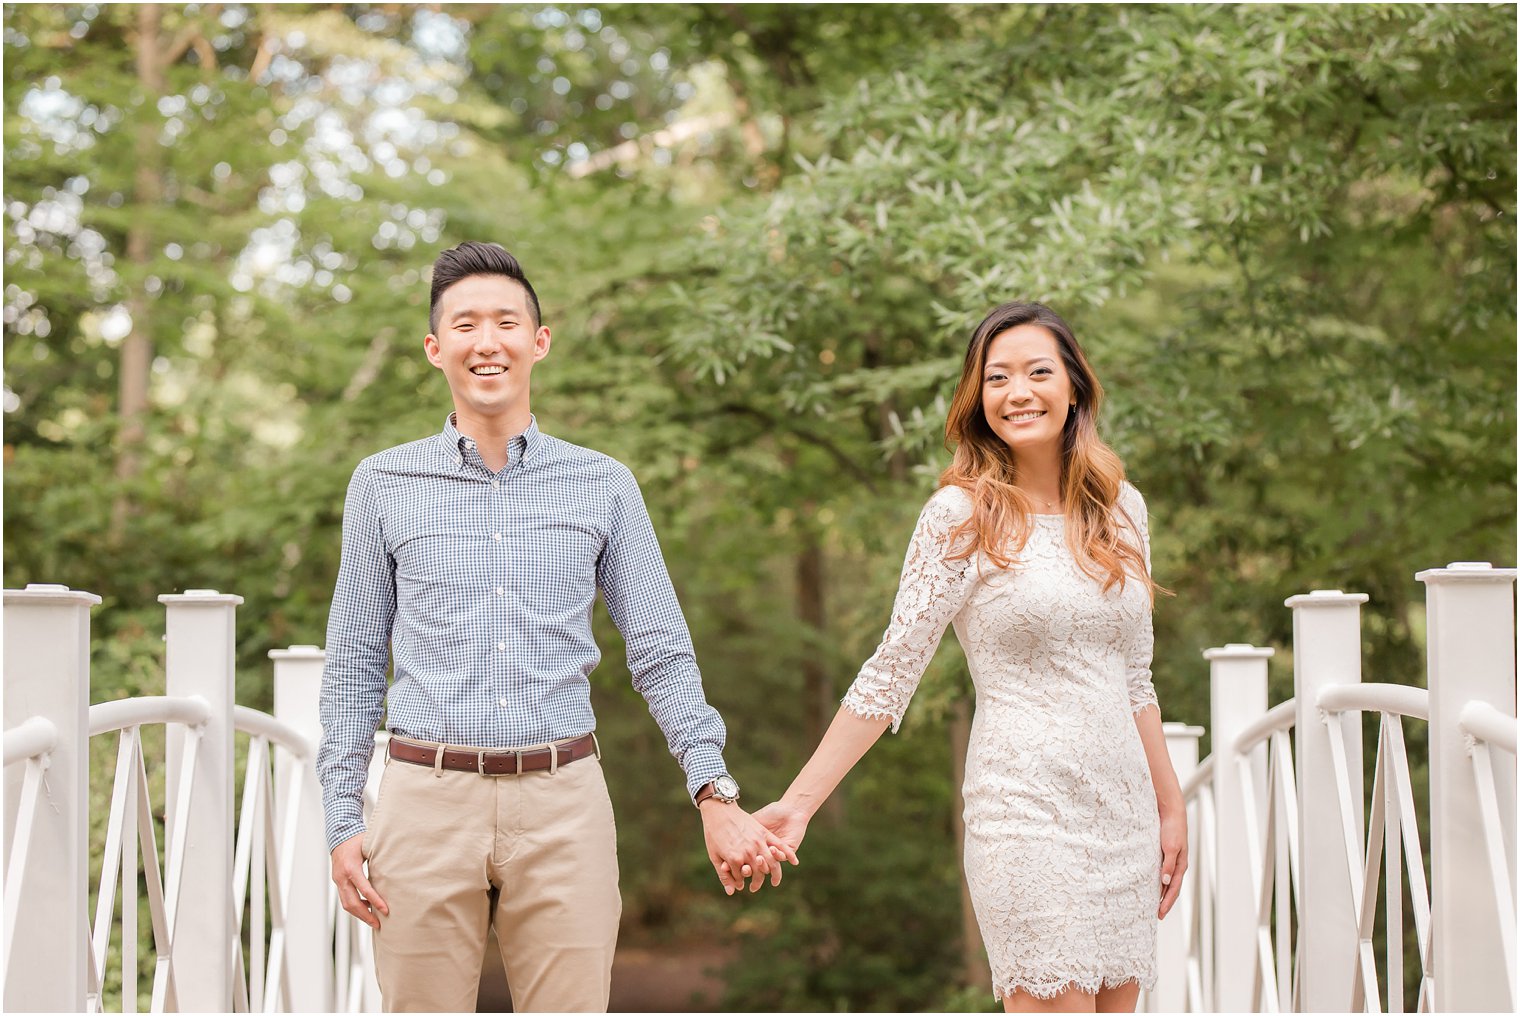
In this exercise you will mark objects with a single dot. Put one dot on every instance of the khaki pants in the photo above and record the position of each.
(535, 856)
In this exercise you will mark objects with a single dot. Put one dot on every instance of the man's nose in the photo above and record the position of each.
(487, 338)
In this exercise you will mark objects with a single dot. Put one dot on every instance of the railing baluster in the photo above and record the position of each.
(110, 861)
(257, 869)
(1393, 891)
(15, 872)
(1493, 838)
(129, 893)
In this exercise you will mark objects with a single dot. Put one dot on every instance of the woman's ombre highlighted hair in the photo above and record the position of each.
(1091, 473)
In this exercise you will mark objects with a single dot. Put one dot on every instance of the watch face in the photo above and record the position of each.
(726, 786)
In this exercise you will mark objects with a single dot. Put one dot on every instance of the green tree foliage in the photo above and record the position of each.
(762, 234)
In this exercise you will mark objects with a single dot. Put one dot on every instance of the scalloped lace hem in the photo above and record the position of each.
(867, 712)
(1050, 989)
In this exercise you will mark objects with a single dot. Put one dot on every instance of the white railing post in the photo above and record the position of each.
(1327, 649)
(199, 660)
(308, 924)
(47, 674)
(1470, 620)
(1237, 696)
(1172, 935)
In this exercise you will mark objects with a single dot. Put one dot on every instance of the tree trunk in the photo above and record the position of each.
(818, 693)
(137, 349)
(973, 966)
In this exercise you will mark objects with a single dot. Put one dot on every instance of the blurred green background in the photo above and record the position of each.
(761, 235)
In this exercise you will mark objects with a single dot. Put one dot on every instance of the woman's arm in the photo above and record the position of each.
(847, 740)
(1174, 838)
(930, 592)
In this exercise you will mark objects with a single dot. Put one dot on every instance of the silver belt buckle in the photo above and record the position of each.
(518, 756)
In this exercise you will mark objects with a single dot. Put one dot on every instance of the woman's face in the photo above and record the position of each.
(1026, 389)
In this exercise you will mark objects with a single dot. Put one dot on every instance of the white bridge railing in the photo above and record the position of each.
(1292, 850)
(241, 913)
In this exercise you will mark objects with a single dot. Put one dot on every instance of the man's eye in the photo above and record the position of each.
(463, 328)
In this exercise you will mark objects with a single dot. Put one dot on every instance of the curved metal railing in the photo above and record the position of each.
(1272, 852)
(130, 830)
(1391, 822)
(29, 743)
(1486, 727)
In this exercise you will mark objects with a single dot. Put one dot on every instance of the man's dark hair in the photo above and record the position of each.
(475, 258)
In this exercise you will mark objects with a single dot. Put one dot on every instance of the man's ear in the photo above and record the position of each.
(541, 343)
(430, 346)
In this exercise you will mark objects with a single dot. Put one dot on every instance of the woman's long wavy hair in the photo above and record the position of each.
(986, 468)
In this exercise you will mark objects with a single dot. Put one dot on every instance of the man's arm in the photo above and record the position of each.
(642, 602)
(353, 687)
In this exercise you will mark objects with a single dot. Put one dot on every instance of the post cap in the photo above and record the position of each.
(200, 597)
(1173, 729)
(299, 653)
(49, 592)
(1466, 571)
(1325, 598)
(1238, 651)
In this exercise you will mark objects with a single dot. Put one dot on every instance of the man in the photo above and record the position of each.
(472, 558)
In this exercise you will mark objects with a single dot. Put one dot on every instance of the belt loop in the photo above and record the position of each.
(438, 762)
(518, 755)
(596, 746)
(480, 761)
(553, 759)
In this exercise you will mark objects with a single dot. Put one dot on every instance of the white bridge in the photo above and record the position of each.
(1296, 852)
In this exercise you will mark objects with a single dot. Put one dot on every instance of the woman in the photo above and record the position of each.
(1037, 550)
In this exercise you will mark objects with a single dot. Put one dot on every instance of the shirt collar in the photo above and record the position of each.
(520, 448)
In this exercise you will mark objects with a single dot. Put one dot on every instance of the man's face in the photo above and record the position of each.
(486, 345)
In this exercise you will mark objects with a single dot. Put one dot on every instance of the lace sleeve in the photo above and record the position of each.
(929, 594)
(1138, 653)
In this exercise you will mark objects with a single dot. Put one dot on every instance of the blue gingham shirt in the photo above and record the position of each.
(480, 586)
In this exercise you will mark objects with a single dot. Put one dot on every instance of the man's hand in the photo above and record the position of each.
(784, 822)
(354, 891)
(736, 843)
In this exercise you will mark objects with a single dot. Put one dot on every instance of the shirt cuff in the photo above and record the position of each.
(703, 765)
(343, 827)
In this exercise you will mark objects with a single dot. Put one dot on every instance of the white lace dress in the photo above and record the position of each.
(1063, 852)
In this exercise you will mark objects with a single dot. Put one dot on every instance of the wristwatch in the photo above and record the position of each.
(723, 787)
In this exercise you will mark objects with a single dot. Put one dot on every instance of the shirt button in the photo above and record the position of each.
(502, 646)
(502, 702)
(496, 537)
(496, 483)
(500, 591)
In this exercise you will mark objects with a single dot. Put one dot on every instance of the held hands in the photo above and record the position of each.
(1174, 860)
(784, 822)
(354, 891)
(737, 843)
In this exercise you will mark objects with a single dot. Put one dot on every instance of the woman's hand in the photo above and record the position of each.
(785, 823)
(1174, 846)
(736, 842)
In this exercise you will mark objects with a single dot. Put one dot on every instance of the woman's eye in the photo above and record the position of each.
(1042, 370)
(996, 377)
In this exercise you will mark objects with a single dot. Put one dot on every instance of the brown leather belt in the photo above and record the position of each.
(495, 762)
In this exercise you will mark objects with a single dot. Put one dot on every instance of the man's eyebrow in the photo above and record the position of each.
(472, 312)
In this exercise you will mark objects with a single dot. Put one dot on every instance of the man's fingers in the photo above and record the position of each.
(368, 892)
(356, 906)
(726, 876)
